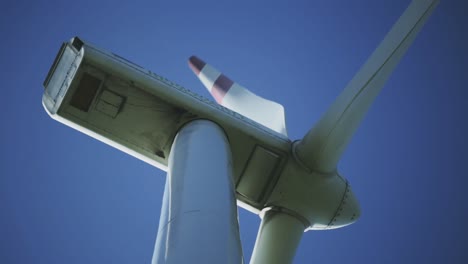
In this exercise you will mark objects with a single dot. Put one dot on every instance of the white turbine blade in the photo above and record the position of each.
(322, 146)
(278, 237)
(238, 98)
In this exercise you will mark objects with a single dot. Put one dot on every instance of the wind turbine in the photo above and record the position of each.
(217, 155)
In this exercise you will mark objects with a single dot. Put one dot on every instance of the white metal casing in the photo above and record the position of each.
(139, 112)
(130, 110)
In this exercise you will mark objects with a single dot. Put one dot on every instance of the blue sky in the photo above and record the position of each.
(65, 197)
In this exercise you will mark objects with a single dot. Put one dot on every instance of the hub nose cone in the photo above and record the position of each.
(348, 211)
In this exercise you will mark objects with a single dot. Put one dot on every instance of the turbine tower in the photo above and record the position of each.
(228, 153)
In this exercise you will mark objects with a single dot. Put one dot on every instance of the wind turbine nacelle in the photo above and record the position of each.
(136, 111)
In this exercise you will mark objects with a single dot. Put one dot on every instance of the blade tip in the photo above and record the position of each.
(196, 64)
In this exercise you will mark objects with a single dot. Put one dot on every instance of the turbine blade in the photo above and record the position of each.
(322, 146)
(238, 98)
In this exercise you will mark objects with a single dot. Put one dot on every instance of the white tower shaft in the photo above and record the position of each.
(199, 221)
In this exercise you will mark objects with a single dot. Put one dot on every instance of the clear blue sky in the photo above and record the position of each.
(67, 198)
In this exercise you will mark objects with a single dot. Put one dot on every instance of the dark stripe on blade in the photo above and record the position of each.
(221, 87)
(196, 64)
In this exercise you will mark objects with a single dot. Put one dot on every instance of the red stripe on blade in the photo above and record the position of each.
(221, 87)
(196, 64)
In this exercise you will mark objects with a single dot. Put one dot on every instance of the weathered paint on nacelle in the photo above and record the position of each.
(139, 112)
